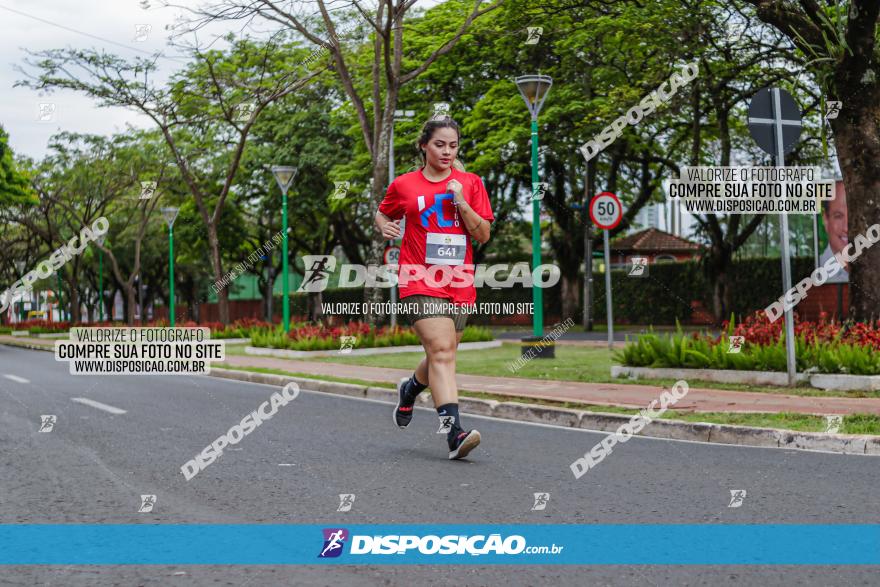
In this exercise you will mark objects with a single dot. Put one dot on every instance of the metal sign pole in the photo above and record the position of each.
(786, 259)
(608, 291)
(770, 111)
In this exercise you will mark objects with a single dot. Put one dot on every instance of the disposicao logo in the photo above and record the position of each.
(334, 540)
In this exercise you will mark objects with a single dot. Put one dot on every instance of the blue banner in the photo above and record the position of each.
(519, 544)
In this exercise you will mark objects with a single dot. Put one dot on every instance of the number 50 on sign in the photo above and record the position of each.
(606, 211)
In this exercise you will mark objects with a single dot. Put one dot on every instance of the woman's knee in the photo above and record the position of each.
(442, 352)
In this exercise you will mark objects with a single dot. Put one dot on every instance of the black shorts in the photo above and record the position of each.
(418, 307)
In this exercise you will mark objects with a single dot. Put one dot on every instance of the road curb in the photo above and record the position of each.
(30, 345)
(596, 421)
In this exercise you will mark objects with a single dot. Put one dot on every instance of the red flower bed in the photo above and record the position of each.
(28, 324)
(758, 329)
(251, 323)
(350, 329)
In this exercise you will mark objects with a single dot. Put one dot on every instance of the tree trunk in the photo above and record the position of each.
(109, 304)
(857, 138)
(314, 300)
(721, 297)
(570, 294)
(75, 314)
(129, 304)
(373, 295)
(721, 259)
(217, 266)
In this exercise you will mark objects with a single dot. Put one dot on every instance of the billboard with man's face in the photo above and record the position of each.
(833, 235)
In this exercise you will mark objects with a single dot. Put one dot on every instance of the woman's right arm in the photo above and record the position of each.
(390, 229)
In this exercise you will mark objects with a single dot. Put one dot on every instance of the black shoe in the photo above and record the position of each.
(463, 443)
(403, 412)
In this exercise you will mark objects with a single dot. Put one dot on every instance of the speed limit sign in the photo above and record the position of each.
(392, 255)
(606, 211)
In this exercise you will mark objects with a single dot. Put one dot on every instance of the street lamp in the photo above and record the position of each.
(100, 241)
(170, 215)
(534, 89)
(398, 115)
(284, 175)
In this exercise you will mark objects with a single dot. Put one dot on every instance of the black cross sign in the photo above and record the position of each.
(774, 113)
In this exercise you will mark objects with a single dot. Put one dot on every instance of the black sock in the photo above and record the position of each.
(455, 427)
(413, 388)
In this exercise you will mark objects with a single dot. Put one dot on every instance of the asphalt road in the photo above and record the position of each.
(94, 465)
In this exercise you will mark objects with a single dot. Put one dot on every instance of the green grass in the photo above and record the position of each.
(235, 349)
(852, 424)
(785, 420)
(861, 424)
(572, 363)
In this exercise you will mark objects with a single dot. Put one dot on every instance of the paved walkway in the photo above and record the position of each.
(602, 394)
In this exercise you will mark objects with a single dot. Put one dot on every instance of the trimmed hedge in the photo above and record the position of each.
(665, 295)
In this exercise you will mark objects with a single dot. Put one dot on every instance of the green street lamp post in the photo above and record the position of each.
(534, 89)
(170, 215)
(284, 175)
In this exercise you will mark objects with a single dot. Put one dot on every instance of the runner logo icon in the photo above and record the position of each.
(446, 423)
(346, 500)
(737, 496)
(318, 269)
(47, 422)
(147, 503)
(735, 344)
(334, 540)
(541, 500)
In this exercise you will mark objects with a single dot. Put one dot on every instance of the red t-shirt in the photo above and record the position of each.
(429, 210)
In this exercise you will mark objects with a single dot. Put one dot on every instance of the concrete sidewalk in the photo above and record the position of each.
(601, 394)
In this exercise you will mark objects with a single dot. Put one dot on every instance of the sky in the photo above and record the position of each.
(111, 25)
(53, 24)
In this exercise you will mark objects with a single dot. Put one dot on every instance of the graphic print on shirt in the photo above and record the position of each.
(441, 248)
(437, 210)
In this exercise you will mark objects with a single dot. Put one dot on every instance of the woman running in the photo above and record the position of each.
(443, 207)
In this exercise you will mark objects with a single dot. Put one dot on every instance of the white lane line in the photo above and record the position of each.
(15, 378)
(98, 405)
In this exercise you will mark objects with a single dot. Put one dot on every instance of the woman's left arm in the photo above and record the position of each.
(477, 226)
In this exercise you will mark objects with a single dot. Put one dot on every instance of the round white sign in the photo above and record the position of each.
(606, 211)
